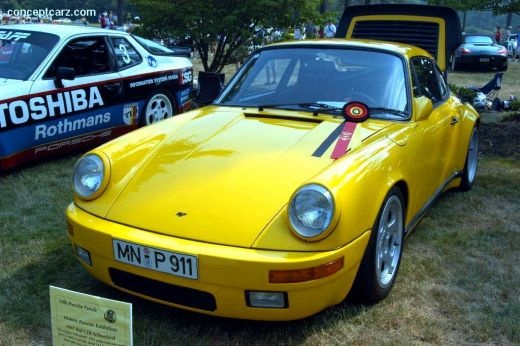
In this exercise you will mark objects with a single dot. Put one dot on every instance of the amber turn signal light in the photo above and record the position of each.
(306, 274)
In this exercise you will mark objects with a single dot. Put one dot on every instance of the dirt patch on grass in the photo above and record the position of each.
(500, 138)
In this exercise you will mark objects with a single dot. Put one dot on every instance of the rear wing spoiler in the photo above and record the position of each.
(435, 29)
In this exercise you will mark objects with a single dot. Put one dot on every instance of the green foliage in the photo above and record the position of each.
(514, 112)
(219, 27)
(515, 105)
(461, 5)
(464, 93)
(515, 116)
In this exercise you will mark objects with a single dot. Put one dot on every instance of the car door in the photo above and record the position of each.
(82, 105)
(437, 132)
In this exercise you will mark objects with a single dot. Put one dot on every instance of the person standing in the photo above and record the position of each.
(310, 31)
(297, 34)
(330, 30)
(498, 35)
(103, 20)
(517, 43)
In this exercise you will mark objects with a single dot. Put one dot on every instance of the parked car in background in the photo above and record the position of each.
(65, 86)
(294, 188)
(512, 47)
(479, 51)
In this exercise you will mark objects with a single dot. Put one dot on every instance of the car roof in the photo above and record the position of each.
(62, 30)
(391, 47)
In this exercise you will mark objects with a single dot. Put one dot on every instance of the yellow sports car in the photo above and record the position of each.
(295, 187)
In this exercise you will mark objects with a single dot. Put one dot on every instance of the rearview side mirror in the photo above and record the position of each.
(67, 73)
(422, 108)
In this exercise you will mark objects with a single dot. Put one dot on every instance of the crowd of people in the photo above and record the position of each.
(108, 20)
(312, 31)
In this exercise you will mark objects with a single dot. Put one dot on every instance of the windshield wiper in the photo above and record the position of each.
(388, 110)
(314, 106)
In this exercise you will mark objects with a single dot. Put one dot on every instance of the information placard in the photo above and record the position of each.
(83, 319)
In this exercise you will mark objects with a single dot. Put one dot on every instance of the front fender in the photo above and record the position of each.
(359, 182)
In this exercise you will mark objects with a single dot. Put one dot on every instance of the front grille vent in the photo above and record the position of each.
(163, 291)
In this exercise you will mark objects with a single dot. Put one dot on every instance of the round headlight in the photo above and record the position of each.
(311, 211)
(88, 176)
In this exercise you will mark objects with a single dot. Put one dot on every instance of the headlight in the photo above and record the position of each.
(90, 176)
(311, 211)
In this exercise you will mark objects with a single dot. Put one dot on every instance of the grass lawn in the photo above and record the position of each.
(458, 282)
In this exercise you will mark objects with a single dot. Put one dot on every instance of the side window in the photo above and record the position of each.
(443, 85)
(126, 55)
(86, 55)
(425, 82)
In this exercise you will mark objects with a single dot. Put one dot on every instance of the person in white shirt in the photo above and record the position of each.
(297, 34)
(330, 30)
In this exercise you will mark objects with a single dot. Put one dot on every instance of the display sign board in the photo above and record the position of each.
(82, 319)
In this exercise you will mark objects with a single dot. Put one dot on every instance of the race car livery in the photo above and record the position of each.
(66, 87)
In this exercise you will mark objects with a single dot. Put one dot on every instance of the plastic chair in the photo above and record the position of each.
(491, 90)
(487, 96)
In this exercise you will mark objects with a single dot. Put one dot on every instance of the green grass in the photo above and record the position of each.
(458, 282)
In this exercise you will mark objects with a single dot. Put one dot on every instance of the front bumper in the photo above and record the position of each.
(225, 274)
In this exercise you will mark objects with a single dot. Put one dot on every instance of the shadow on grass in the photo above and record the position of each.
(26, 309)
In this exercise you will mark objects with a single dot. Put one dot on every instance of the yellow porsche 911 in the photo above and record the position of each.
(296, 187)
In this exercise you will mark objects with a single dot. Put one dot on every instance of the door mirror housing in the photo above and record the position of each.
(67, 73)
(422, 108)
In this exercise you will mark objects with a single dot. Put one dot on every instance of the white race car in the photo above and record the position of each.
(63, 87)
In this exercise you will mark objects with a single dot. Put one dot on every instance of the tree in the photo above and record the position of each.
(220, 29)
(461, 5)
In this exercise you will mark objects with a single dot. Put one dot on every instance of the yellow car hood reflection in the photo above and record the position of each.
(222, 177)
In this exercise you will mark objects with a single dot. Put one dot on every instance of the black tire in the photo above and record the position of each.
(378, 269)
(454, 65)
(159, 105)
(470, 166)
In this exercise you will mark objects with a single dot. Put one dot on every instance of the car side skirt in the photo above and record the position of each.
(418, 217)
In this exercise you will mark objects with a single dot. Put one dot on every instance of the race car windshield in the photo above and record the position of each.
(310, 76)
(21, 52)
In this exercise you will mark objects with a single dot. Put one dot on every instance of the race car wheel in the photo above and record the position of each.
(159, 106)
(470, 167)
(380, 263)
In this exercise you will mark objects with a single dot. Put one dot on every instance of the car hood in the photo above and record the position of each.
(13, 88)
(4, 81)
(223, 176)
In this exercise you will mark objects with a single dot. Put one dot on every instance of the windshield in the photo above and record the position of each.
(478, 39)
(21, 52)
(153, 47)
(324, 78)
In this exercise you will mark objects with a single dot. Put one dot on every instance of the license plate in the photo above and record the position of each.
(156, 259)
(484, 59)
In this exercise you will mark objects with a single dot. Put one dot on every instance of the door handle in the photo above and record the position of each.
(454, 120)
(113, 87)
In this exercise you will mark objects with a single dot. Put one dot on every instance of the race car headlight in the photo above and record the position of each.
(90, 176)
(311, 211)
